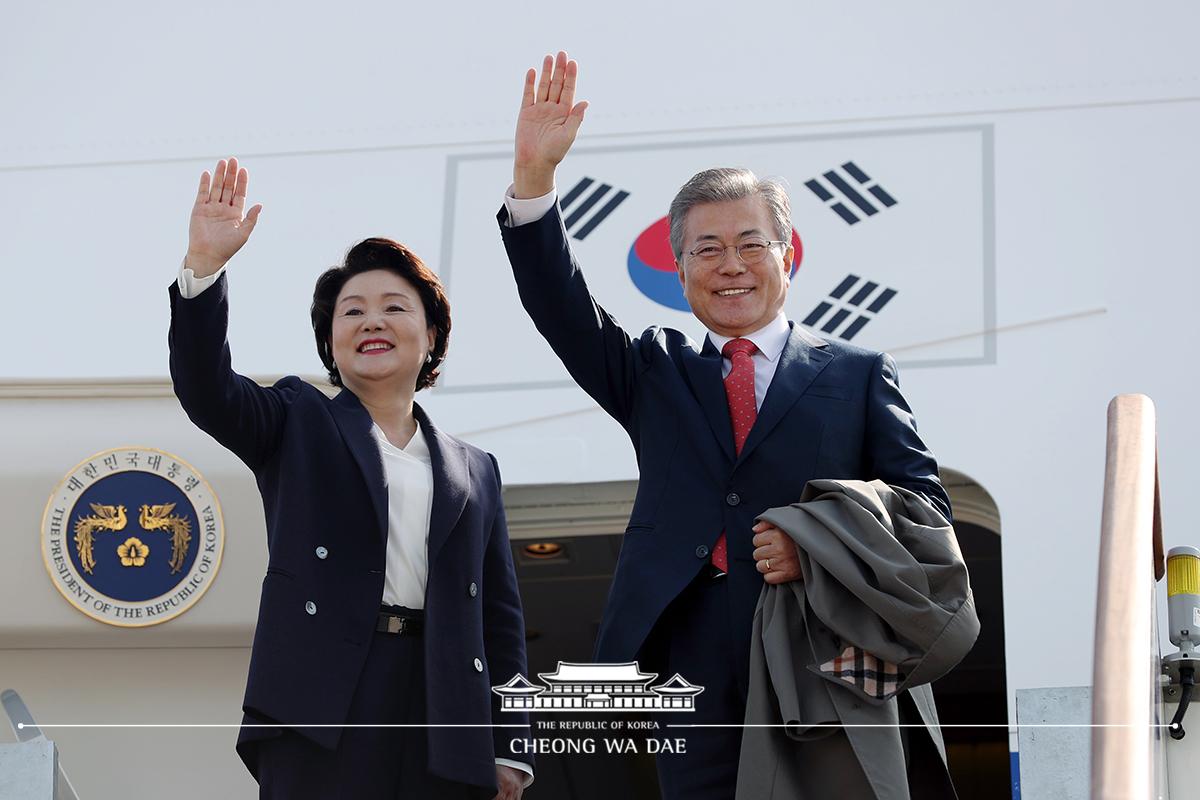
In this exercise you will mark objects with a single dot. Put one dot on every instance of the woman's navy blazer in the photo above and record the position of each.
(321, 477)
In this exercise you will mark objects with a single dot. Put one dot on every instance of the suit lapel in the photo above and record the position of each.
(355, 424)
(800, 362)
(704, 373)
(451, 482)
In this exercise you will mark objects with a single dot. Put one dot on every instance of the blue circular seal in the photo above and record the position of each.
(132, 536)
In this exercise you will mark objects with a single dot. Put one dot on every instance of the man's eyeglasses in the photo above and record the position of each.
(750, 251)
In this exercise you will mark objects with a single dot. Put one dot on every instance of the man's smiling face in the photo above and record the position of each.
(732, 298)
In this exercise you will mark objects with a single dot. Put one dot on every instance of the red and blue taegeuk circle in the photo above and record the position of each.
(652, 265)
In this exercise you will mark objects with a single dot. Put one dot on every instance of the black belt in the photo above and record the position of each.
(401, 624)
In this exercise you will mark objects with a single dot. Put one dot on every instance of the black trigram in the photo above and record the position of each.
(574, 213)
(848, 192)
(848, 306)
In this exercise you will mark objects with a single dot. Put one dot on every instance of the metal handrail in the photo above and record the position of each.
(1125, 678)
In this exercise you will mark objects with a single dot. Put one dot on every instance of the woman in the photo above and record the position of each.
(390, 595)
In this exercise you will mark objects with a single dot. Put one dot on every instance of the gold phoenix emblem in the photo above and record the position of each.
(133, 553)
(154, 518)
(106, 518)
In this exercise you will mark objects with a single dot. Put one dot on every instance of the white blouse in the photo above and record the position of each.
(409, 475)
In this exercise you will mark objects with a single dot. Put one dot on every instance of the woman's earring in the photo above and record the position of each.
(429, 358)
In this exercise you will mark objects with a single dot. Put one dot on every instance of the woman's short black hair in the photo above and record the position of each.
(386, 254)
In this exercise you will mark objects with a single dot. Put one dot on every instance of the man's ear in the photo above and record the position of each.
(679, 271)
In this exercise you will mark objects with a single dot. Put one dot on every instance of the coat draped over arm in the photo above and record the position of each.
(883, 607)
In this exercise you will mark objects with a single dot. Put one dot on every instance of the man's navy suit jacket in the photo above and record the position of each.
(321, 476)
(832, 411)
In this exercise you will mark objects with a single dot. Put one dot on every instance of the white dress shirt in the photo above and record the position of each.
(190, 286)
(769, 339)
(409, 474)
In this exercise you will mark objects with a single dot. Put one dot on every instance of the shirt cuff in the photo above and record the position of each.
(190, 286)
(521, 765)
(521, 212)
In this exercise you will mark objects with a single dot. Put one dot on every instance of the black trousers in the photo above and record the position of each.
(369, 763)
(692, 638)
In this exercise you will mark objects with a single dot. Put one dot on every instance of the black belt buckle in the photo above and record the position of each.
(396, 624)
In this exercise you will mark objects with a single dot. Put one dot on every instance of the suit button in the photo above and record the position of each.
(478, 665)
(310, 607)
(473, 589)
(733, 499)
(702, 551)
(322, 552)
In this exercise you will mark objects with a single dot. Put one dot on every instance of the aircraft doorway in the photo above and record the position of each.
(565, 541)
(976, 691)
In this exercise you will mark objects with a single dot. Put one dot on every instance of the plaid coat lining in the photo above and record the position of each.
(870, 675)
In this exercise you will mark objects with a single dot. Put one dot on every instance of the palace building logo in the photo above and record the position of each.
(132, 536)
(597, 687)
(652, 265)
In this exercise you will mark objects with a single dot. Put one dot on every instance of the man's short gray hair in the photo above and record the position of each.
(729, 183)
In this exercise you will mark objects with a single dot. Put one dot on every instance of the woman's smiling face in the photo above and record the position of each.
(379, 330)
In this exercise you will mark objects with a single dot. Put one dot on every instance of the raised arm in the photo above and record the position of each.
(234, 410)
(218, 227)
(591, 344)
(546, 126)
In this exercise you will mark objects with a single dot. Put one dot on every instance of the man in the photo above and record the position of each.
(722, 432)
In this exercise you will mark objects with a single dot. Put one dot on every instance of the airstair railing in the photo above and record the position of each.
(1125, 683)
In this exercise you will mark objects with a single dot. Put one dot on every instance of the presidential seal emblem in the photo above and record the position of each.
(132, 536)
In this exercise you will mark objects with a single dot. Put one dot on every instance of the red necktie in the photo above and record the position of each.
(739, 393)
